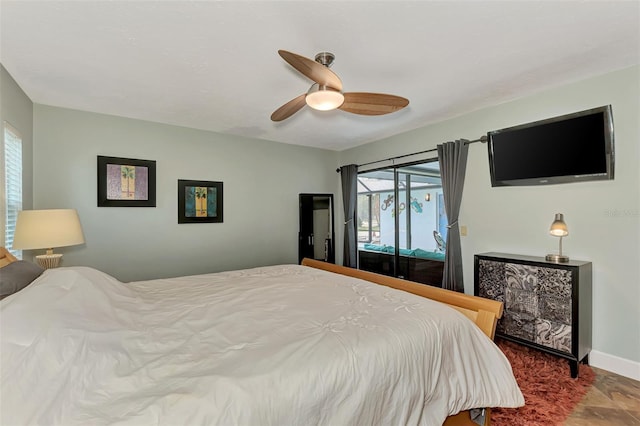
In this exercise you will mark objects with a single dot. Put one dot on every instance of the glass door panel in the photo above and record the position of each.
(399, 210)
(402, 218)
(376, 225)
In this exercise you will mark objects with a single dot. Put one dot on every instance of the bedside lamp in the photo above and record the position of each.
(558, 229)
(45, 229)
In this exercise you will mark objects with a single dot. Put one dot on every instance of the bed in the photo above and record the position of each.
(279, 345)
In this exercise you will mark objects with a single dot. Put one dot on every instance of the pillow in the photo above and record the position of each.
(17, 275)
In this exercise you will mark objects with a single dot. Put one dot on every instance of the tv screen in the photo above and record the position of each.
(575, 147)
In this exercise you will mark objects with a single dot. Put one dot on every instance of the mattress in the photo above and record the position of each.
(278, 345)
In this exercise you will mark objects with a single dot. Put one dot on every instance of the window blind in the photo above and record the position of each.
(13, 184)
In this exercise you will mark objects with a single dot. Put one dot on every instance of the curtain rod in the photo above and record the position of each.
(482, 139)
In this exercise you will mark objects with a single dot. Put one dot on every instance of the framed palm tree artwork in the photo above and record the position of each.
(126, 182)
(199, 201)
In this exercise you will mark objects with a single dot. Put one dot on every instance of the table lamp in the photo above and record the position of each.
(558, 229)
(46, 229)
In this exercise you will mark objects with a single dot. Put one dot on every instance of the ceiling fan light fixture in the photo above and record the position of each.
(324, 98)
(326, 94)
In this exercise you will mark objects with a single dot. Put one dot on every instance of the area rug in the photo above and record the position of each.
(549, 391)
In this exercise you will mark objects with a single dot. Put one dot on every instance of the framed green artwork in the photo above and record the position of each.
(199, 201)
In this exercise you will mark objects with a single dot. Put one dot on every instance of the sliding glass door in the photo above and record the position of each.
(398, 212)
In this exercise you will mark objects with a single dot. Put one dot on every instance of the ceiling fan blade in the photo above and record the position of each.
(288, 109)
(312, 69)
(364, 103)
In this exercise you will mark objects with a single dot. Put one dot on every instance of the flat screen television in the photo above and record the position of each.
(575, 147)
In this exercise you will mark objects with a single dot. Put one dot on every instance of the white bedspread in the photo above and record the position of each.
(281, 345)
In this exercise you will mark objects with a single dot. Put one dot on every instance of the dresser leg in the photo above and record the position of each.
(573, 365)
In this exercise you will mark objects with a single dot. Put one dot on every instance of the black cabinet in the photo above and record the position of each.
(547, 305)
(316, 234)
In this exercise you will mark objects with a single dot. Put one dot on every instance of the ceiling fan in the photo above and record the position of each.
(326, 93)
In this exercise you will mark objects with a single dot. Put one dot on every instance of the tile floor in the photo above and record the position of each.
(613, 400)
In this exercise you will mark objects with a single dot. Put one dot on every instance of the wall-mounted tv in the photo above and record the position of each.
(575, 147)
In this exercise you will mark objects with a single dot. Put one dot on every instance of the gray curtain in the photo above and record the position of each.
(453, 164)
(349, 176)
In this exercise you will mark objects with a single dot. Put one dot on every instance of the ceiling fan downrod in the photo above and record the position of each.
(325, 58)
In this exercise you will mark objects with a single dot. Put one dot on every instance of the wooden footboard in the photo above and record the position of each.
(483, 312)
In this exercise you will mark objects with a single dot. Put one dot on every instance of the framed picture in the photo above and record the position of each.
(199, 201)
(126, 182)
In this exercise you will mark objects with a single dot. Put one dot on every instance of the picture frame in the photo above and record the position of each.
(126, 182)
(200, 201)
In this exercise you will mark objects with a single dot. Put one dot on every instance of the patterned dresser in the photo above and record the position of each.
(547, 305)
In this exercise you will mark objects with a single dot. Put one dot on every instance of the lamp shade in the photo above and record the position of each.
(39, 229)
(558, 227)
(324, 98)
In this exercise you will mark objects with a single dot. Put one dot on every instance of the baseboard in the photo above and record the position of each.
(621, 366)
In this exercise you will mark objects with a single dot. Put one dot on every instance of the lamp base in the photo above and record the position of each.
(48, 261)
(558, 258)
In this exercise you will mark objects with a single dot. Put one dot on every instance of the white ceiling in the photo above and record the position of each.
(214, 65)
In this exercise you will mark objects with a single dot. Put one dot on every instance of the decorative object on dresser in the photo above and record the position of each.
(547, 304)
(558, 229)
(46, 229)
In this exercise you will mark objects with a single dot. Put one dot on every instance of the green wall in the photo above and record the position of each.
(261, 179)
